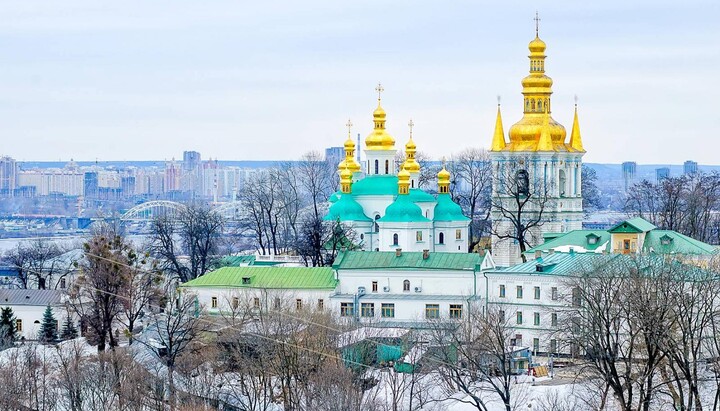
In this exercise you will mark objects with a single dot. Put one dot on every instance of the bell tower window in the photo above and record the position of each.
(387, 166)
(377, 167)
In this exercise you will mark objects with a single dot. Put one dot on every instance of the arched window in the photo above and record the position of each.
(532, 104)
(441, 238)
(540, 105)
(406, 285)
(377, 167)
(395, 239)
(412, 183)
(387, 166)
(562, 183)
(527, 104)
(377, 226)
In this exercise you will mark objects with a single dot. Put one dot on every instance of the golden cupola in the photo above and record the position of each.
(410, 164)
(443, 178)
(349, 160)
(379, 139)
(537, 123)
(403, 182)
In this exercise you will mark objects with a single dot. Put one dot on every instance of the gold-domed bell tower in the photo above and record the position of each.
(550, 168)
(411, 164)
(349, 162)
(380, 145)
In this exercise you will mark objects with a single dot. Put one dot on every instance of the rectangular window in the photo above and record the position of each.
(432, 310)
(213, 302)
(367, 309)
(501, 315)
(347, 309)
(519, 291)
(553, 346)
(576, 297)
(554, 293)
(537, 293)
(456, 311)
(502, 290)
(321, 304)
(553, 319)
(387, 310)
(18, 325)
(63, 283)
(418, 236)
(536, 344)
(276, 303)
(536, 318)
(458, 234)
(235, 303)
(519, 317)
(374, 286)
(256, 303)
(298, 304)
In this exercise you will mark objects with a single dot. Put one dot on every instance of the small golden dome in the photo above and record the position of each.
(346, 174)
(349, 144)
(537, 46)
(410, 146)
(404, 175)
(379, 139)
(443, 175)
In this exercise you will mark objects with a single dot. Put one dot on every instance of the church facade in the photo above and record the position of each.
(536, 171)
(384, 205)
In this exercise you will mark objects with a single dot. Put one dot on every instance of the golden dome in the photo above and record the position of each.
(537, 45)
(349, 144)
(410, 146)
(410, 164)
(403, 175)
(379, 139)
(345, 174)
(346, 180)
(443, 175)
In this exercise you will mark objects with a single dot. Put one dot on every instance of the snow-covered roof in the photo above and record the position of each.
(30, 297)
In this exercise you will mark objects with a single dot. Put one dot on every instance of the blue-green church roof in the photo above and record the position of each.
(403, 210)
(376, 185)
(448, 210)
(346, 209)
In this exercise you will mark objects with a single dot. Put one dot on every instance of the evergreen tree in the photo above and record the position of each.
(48, 328)
(69, 331)
(8, 332)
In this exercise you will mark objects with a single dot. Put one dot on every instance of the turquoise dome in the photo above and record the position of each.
(346, 209)
(334, 197)
(403, 210)
(376, 185)
(419, 196)
(448, 210)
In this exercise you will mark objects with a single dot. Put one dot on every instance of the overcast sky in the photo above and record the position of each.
(241, 80)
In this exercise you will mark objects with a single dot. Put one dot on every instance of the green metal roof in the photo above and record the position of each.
(403, 210)
(448, 210)
(267, 277)
(368, 260)
(346, 209)
(633, 225)
(376, 185)
(419, 196)
(575, 238)
(678, 243)
(560, 264)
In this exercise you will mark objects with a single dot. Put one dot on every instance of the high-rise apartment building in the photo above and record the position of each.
(8, 176)
(629, 171)
(690, 167)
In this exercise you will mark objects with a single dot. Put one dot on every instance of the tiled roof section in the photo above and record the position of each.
(678, 243)
(369, 260)
(30, 297)
(575, 238)
(290, 278)
(640, 225)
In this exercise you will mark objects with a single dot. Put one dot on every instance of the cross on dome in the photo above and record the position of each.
(537, 24)
(379, 90)
(349, 125)
(411, 125)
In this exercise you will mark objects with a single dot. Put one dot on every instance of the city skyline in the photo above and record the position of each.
(138, 81)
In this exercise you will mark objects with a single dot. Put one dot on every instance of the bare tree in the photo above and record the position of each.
(472, 178)
(520, 199)
(185, 244)
(97, 294)
(142, 292)
(35, 261)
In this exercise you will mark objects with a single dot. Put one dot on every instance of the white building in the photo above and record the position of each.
(232, 290)
(392, 288)
(28, 306)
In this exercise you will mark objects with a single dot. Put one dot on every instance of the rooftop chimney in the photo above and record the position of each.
(426, 254)
(538, 254)
(398, 252)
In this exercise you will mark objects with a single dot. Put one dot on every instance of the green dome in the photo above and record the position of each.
(448, 210)
(334, 197)
(419, 196)
(346, 209)
(403, 210)
(376, 185)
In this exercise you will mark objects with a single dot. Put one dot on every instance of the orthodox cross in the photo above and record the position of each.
(349, 125)
(411, 125)
(537, 24)
(379, 90)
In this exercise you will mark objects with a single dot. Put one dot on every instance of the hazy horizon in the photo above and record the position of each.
(137, 80)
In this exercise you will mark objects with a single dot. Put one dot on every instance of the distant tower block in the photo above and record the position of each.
(629, 171)
(690, 167)
(661, 174)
